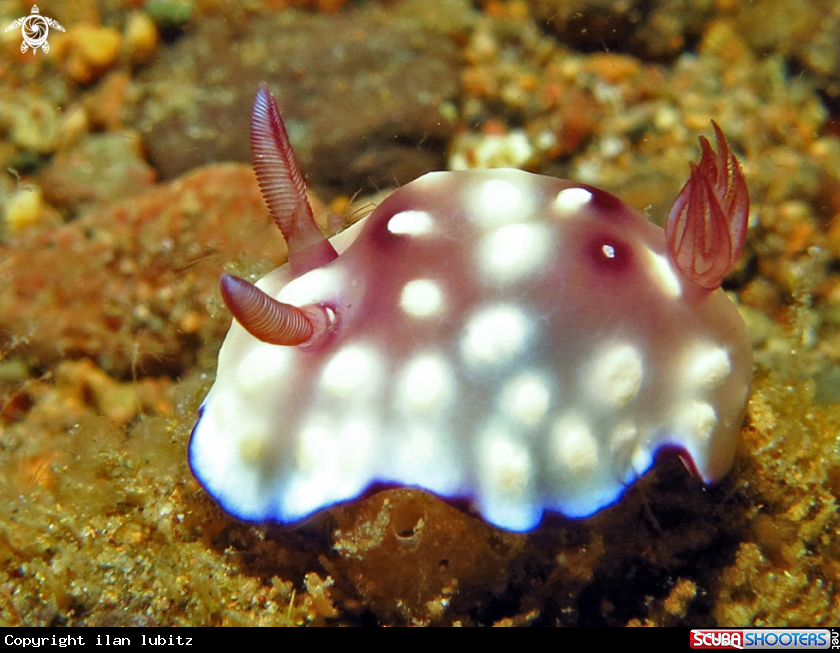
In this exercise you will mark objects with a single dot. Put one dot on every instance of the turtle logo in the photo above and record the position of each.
(35, 29)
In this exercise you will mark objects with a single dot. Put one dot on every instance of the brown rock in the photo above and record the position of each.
(100, 169)
(129, 286)
(648, 29)
(360, 95)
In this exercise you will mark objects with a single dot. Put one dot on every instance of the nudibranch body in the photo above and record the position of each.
(524, 342)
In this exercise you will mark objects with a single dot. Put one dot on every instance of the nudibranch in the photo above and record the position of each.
(522, 342)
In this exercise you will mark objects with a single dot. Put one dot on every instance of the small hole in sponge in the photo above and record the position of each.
(407, 519)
